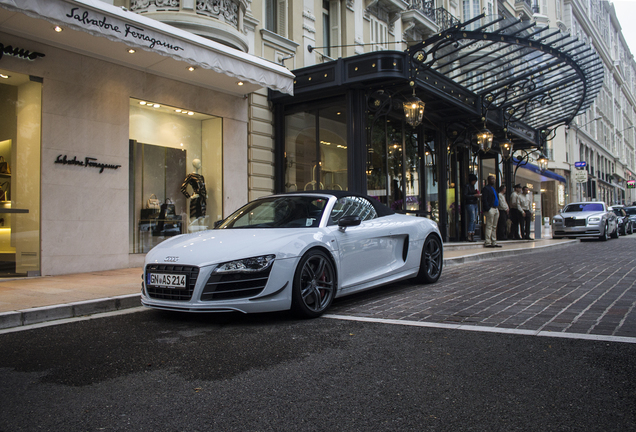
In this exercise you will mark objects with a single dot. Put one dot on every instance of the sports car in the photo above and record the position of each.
(585, 220)
(294, 251)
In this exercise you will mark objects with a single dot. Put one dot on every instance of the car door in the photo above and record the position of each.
(366, 251)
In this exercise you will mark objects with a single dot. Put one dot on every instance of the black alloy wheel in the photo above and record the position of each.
(314, 285)
(432, 260)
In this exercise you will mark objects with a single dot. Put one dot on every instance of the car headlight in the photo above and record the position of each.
(556, 221)
(594, 219)
(247, 265)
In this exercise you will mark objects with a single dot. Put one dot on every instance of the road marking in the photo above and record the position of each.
(73, 319)
(540, 333)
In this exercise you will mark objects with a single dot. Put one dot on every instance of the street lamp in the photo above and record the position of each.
(543, 163)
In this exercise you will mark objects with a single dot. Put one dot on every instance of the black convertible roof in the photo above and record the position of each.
(380, 208)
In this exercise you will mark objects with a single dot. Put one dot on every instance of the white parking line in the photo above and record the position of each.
(592, 337)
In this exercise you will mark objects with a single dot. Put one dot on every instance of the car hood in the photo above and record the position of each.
(582, 215)
(217, 246)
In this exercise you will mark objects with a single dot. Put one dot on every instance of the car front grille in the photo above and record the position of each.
(571, 222)
(235, 285)
(163, 293)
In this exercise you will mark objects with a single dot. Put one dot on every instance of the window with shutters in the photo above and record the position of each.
(379, 35)
(331, 28)
(276, 16)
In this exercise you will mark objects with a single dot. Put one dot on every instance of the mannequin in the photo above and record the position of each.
(199, 193)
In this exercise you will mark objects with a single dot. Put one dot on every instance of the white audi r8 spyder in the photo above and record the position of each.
(294, 251)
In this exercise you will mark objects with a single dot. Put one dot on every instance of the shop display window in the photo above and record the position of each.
(20, 154)
(316, 150)
(175, 173)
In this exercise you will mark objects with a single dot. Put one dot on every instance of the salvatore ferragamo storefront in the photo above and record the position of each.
(116, 133)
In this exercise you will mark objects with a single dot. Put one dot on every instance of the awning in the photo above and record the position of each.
(546, 175)
(537, 76)
(161, 49)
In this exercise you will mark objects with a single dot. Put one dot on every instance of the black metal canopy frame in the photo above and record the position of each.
(538, 76)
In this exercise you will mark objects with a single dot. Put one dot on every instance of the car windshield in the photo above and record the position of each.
(583, 207)
(278, 212)
(630, 210)
(618, 212)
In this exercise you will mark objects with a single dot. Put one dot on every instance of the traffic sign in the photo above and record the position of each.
(580, 176)
(581, 164)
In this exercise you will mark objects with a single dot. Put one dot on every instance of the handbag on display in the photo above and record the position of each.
(167, 208)
(153, 203)
(4, 166)
(4, 191)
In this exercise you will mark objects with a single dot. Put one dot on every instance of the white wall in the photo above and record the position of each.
(85, 112)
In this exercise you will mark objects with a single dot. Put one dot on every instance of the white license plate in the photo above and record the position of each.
(167, 280)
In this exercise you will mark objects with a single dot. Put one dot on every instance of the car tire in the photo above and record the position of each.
(616, 234)
(630, 231)
(432, 260)
(315, 284)
(604, 236)
(556, 237)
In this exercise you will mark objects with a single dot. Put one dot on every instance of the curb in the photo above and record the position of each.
(481, 256)
(109, 304)
(68, 310)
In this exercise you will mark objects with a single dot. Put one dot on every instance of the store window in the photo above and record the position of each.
(176, 172)
(20, 131)
(316, 150)
(394, 162)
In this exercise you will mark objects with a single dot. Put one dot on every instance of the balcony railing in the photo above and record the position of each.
(439, 16)
(224, 10)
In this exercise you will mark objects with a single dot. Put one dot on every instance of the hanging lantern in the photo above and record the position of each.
(506, 147)
(484, 140)
(543, 163)
(414, 110)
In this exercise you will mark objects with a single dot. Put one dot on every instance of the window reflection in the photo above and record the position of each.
(316, 150)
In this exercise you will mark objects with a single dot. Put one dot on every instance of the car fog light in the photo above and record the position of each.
(247, 265)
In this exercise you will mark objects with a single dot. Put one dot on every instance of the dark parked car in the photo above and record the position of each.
(631, 213)
(625, 225)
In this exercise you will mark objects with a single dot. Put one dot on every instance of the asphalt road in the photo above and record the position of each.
(152, 371)
(156, 371)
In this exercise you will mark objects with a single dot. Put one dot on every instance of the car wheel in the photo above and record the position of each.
(616, 233)
(605, 236)
(314, 285)
(630, 230)
(432, 260)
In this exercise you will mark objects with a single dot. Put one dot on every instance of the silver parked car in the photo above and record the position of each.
(585, 220)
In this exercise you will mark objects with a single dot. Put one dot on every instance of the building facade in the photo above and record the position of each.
(105, 114)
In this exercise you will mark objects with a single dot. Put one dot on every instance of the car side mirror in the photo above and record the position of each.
(348, 221)
(217, 223)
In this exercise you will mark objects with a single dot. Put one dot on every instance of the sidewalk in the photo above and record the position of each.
(47, 298)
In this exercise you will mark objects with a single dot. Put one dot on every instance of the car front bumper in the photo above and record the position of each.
(582, 231)
(275, 296)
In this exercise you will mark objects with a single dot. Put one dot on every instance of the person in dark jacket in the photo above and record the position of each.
(471, 201)
(490, 207)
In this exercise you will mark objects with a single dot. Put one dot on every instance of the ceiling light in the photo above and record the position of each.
(142, 103)
(240, 83)
(131, 51)
(156, 105)
(58, 29)
(191, 68)
(190, 113)
(3, 76)
(177, 110)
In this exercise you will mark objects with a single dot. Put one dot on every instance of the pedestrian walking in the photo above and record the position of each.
(525, 202)
(504, 211)
(490, 206)
(516, 214)
(471, 200)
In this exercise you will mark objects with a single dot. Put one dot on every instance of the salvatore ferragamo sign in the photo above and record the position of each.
(87, 162)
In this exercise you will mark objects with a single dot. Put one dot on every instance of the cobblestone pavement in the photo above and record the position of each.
(588, 287)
